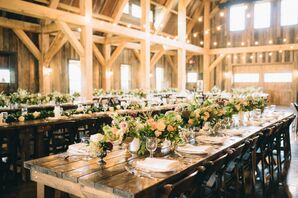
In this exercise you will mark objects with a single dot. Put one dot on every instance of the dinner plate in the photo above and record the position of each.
(191, 149)
(135, 164)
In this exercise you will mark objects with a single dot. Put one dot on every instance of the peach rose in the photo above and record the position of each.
(170, 128)
(190, 121)
(157, 133)
(161, 125)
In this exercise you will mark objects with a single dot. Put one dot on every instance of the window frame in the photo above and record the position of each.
(246, 81)
(129, 75)
(78, 78)
(244, 18)
(268, 25)
(9, 76)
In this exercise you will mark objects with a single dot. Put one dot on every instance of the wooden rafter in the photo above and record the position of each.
(194, 18)
(216, 62)
(137, 54)
(117, 13)
(115, 54)
(165, 16)
(58, 42)
(71, 37)
(156, 58)
(98, 55)
(265, 48)
(31, 9)
(16, 24)
(28, 43)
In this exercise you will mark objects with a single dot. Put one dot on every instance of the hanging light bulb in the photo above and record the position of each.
(285, 40)
(218, 28)
(221, 14)
(215, 43)
(257, 43)
(228, 43)
(270, 54)
(270, 41)
(242, 43)
(200, 19)
(195, 35)
(202, 42)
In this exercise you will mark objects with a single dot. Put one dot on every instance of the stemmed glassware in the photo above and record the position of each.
(151, 145)
(85, 140)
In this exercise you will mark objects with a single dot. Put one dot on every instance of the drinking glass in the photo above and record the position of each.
(151, 145)
(4, 116)
(235, 121)
(257, 114)
(85, 140)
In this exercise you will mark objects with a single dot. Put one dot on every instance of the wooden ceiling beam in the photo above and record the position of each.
(71, 37)
(28, 43)
(16, 24)
(115, 54)
(165, 16)
(156, 58)
(137, 54)
(58, 42)
(98, 55)
(265, 48)
(117, 13)
(216, 62)
(194, 18)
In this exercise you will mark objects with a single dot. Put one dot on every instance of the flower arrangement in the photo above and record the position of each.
(3, 100)
(98, 146)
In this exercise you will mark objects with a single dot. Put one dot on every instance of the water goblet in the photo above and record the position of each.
(85, 140)
(151, 145)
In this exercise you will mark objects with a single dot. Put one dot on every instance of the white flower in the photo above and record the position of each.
(96, 137)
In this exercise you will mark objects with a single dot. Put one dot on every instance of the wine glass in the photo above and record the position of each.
(4, 116)
(85, 140)
(151, 145)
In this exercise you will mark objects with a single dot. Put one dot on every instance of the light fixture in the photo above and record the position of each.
(228, 43)
(256, 43)
(200, 19)
(261, 56)
(109, 74)
(79, 29)
(270, 41)
(243, 57)
(248, 15)
(47, 71)
(188, 41)
(229, 56)
(280, 51)
(221, 14)
(202, 42)
(215, 43)
(128, 25)
(251, 57)
(206, 31)
(270, 54)
(242, 43)
(150, 75)
(292, 47)
(195, 35)
(285, 40)
(218, 28)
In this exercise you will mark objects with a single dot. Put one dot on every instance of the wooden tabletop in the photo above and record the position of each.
(113, 178)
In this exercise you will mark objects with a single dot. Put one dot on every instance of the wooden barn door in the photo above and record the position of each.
(277, 80)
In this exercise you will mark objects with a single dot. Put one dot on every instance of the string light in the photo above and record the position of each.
(270, 54)
(285, 40)
(218, 28)
(242, 43)
(228, 43)
(251, 57)
(195, 35)
(188, 41)
(256, 43)
(229, 56)
(243, 57)
(280, 51)
(248, 15)
(215, 43)
(292, 47)
(128, 25)
(202, 42)
(270, 42)
(79, 29)
(200, 19)
(207, 32)
(260, 55)
(222, 14)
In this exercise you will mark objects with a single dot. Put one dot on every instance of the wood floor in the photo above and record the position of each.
(287, 189)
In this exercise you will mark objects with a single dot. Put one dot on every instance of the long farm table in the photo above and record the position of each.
(90, 179)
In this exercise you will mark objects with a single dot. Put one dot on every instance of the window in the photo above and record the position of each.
(136, 11)
(4, 76)
(262, 15)
(75, 78)
(246, 77)
(278, 77)
(237, 17)
(125, 76)
(192, 77)
(159, 78)
(126, 9)
(289, 12)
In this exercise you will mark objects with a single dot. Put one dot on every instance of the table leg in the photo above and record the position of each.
(40, 190)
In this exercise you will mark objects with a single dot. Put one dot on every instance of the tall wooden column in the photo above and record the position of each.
(206, 58)
(106, 75)
(87, 58)
(144, 72)
(181, 51)
(44, 80)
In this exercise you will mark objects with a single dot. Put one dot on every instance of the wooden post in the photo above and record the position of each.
(181, 51)
(106, 77)
(206, 58)
(44, 80)
(87, 58)
(144, 72)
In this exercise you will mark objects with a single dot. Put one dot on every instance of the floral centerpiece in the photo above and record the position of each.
(3, 100)
(99, 146)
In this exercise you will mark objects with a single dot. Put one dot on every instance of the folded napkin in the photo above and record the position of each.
(210, 140)
(191, 149)
(233, 132)
(255, 123)
(158, 165)
(80, 149)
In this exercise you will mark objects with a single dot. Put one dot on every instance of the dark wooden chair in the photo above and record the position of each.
(86, 128)
(186, 187)
(60, 136)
